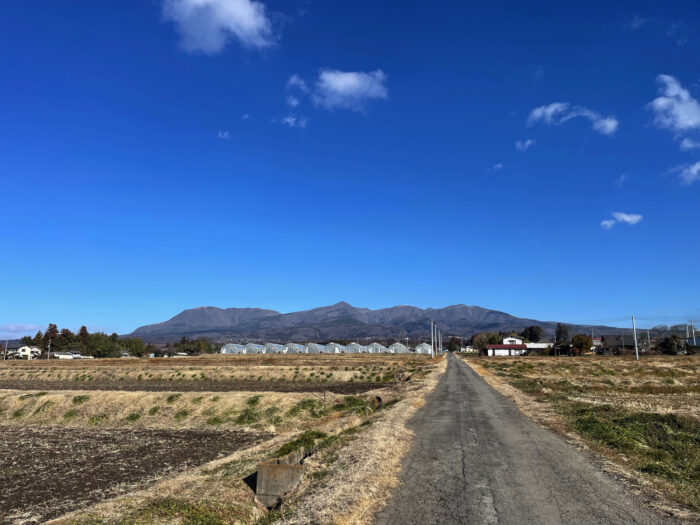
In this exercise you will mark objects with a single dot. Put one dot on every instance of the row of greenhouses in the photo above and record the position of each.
(330, 348)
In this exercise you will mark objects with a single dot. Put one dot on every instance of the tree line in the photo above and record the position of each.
(99, 344)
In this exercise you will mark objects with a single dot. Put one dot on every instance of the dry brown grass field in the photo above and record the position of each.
(140, 444)
(641, 416)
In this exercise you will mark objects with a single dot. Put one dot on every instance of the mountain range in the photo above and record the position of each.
(340, 321)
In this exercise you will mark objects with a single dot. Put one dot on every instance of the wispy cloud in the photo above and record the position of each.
(621, 179)
(351, 90)
(638, 21)
(292, 121)
(16, 330)
(688, 173)
(621, 217)
(206, 26)
(495, 167)
(688, 144)
(296, 82)
(245, 116)
(524, 145)
(224, 135)
(558, 113)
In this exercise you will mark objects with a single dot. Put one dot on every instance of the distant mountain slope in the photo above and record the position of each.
(338, 321)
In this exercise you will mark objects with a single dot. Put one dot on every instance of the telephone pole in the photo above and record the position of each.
(634, 329)
(432, 339)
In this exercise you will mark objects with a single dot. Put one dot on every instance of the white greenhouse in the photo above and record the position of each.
(252, 348)
(272, 348)
(313, 348)
(424, 348)
(355, 348)
(376, 348)
(398, 348)
(294, 348)
(231, 348)
(334, 348)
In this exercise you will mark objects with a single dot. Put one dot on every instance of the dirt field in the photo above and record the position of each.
(77, 433)
(49, 471)
(643, 415)
(336, 387)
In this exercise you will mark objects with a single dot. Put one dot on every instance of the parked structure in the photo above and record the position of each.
(424, 348)
(294, 348)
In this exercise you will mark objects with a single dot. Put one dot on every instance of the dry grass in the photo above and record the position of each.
(283, 367)
(640, 419)
(217, 492)
(271, 412)
(362, 474)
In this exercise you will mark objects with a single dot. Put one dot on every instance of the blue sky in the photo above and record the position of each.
(540, 159)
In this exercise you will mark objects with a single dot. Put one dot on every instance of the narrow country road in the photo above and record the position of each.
(477, 460)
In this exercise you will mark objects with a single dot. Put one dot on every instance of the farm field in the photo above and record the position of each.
(644, 416)
(78, 433)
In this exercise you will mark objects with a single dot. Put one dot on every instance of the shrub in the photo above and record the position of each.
(79, 400)
(247, 417)
(305, 440)
(134, 416)
(182, 414)
(253, 401)
(71, 414)
(153, 410)
(172, 398)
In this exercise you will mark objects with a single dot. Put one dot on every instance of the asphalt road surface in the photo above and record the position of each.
(476, 459)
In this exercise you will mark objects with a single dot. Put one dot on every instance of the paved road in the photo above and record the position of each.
(477, 459)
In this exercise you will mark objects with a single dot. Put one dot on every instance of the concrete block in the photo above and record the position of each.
(275, 480)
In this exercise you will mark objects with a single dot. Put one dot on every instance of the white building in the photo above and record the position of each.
(27, 352)
(355, 348)
(253, 348)
(398, 348)
(272, 348)
(376, 348)
(294, 348)
(424, 348)
(314, 348)
(512, 340)
(334, 348)
(231, 348)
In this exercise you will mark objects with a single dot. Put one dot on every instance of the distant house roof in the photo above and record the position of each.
(506, 347)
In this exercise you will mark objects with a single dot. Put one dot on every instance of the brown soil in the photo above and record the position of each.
(194, 386)
(47, 472)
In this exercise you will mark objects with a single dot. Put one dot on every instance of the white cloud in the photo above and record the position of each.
(208, 25)
(524, 145)
(351, 90)
(292, 121)
(618, 216)
(224, 135)
(688, 144)
(245, 117)
(295, 81)
(557, 113)
(293, 101)
(627, 218)
(675, 109)
(621, 179)
(688, 173)
(495, 167)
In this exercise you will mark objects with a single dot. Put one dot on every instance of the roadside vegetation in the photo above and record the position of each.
(644, 415)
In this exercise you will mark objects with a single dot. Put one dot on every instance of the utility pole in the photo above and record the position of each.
(634, 329)
(432, 339)
(407, 343)
(648, 342)
(692, 328)
(48, 356)
(4, 356)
